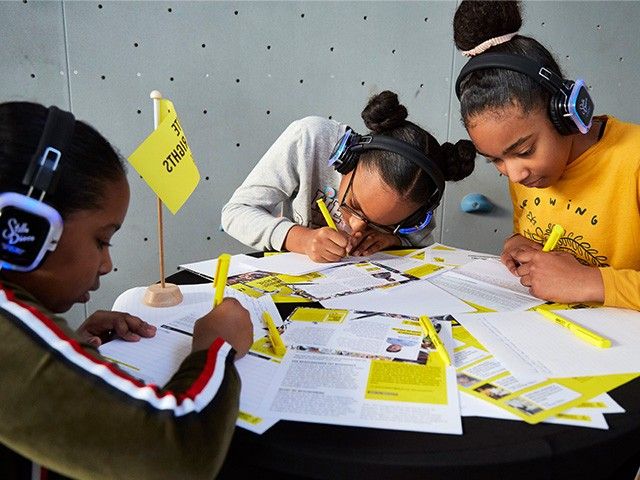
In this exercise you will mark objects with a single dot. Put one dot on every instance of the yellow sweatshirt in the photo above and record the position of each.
(597, 202)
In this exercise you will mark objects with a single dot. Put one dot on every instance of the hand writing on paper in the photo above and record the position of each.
(371, 241)
(513, 246)
(230, 321)
(559, 277)
(103, 325)
(326, 245)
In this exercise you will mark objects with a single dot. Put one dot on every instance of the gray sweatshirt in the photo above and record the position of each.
(282, 189)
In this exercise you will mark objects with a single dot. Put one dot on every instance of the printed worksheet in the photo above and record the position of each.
(207, 268)
(364, 369)
(532, 346)
(154, 360)
(353, 391)
(363, 333)
(197, 302)
(483, 376)
(411, 298)
(445, 255)
(291, 263)
(279, 286)
(485, 295)
(493, 271)
(471, 406)
(350, 279)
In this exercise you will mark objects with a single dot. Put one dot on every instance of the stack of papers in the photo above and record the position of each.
(363, 360)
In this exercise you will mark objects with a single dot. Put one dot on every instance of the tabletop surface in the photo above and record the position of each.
(488, 448)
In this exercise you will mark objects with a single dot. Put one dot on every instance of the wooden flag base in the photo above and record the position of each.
(157, 296)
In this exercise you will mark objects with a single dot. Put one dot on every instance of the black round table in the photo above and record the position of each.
(488, 448)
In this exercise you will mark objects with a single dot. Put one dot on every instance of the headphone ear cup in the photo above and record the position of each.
(30, 229)
(349, 162)
(563, 124)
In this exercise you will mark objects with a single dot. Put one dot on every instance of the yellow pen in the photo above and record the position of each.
(578, 330)
(220, 280)
(277, 344)
(556, 232)
(326, 214)
(435, 339)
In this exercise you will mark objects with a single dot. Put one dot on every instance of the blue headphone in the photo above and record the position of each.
(570, 105)
(29, 228)
(346, 154)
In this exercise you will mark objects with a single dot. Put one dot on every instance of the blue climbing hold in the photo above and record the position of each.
(476, 203)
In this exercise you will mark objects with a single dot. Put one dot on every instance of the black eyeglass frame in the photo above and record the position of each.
(422, 218)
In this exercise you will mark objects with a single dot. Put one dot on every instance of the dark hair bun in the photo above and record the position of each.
(384, 112)
(459, 159)
(478, 21)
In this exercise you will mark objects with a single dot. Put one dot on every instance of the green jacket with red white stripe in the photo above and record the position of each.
(65, 407)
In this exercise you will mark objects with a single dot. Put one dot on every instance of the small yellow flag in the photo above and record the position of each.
(164, 160)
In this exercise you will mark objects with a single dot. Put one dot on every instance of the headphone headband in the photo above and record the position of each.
(350, 146)
(43, 172)
(571, 107)
(405, 150)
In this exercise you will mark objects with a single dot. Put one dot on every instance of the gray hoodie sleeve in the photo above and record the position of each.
(249, 215)
(287, 170)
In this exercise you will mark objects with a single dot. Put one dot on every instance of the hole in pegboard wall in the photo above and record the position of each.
(115, 269)
(364, 18)
(204, 45)
(362, 83)
(103, 77)
(330, 117)
(139, 111)
(100, 6)
(542, 24)
(169, 10)
(206, 178)
(426, 19)
(268, 47)
(33, 75)
(235, 12)
(146, 239)
(598, 27)
(621, 59)
(136, 44)
(393, 52)
(237, 80)
(237, 145)
(268, 112)
(208, 238)
(301, 80)
(331, 49)
(302, 15)
(204, 111)
(171, 79)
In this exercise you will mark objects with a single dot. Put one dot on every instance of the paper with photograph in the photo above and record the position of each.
(353, 391)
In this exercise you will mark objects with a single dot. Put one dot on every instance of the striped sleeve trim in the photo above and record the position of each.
(194, 399)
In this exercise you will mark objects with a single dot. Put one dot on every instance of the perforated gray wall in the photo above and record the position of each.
(240, 72)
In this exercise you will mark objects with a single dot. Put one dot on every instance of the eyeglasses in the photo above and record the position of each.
(413, 223)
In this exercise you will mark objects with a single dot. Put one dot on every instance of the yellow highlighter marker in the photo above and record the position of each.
(578, 330)
(433, 335)
(220, 280)
(277, 344)
(326, 214)
(556, 232)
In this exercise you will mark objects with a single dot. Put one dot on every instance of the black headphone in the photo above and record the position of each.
(346, 153)
(570, 106)
(29, 228)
